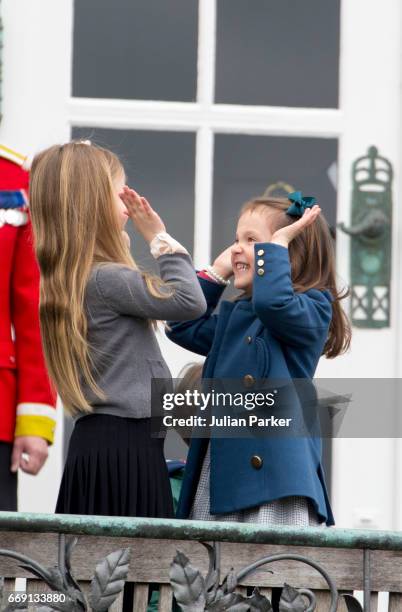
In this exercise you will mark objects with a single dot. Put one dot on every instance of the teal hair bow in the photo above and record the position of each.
(299, 204)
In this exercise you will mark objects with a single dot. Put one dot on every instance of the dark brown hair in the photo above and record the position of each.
(190, 377)
(312, 260)
(190, 380)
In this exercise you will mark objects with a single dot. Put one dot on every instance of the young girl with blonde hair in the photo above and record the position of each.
(286, 317)
(96, 315)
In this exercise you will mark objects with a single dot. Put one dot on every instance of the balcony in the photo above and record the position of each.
(86, 561)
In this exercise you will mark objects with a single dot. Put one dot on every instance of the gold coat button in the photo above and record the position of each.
(260, 271)
(256, 462)
(249, 339)
(260, 252)
(260, 262)
(248, 380)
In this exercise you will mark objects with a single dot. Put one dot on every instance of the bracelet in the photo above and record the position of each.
(217, 276)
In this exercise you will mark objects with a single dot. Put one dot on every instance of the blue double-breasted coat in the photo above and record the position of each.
(275, 334)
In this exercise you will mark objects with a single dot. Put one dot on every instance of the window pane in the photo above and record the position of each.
(160, 166)
(246, 165)
(135, 49)
(278, 52)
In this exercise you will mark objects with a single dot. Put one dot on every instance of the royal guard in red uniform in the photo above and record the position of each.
(27, 402)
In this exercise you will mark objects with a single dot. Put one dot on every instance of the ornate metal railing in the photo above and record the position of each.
(325, 565)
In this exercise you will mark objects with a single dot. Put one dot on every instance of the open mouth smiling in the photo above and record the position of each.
(241, 266)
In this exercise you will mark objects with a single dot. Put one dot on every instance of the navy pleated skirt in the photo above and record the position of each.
(115, 468)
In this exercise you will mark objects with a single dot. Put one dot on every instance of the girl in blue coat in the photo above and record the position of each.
(287, 316)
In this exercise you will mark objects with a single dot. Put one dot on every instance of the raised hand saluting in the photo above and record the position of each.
(146, 221)
(286, 234)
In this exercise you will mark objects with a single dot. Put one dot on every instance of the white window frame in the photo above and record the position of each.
(205, 119)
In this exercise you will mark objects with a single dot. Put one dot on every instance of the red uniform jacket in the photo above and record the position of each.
(27, 403)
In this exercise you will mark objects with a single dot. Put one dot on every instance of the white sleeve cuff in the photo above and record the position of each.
(164, 244)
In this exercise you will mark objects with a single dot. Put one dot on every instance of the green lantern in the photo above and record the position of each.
(371, 241)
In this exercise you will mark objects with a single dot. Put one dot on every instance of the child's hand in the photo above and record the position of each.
(223, 263)
(141, 213)
(286, 234)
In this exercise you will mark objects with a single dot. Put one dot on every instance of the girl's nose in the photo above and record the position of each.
(236, 248)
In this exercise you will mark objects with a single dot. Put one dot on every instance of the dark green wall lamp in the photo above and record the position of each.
(371, 241)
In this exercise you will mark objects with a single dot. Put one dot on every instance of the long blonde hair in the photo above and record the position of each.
(312, 260)
(76, 226)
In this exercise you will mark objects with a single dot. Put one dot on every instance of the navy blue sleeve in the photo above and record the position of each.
(295, 318)
(197, 335)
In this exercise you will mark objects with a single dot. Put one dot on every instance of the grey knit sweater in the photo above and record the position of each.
(123, 345)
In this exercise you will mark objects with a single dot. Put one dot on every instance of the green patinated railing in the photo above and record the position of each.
(68, 526)
(173, 529)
